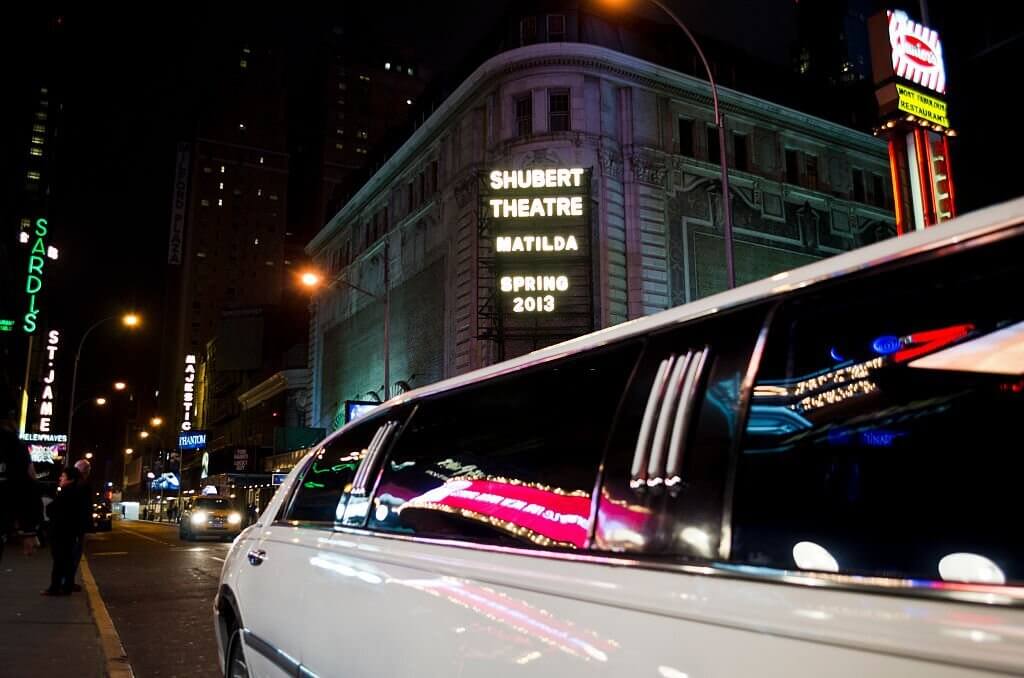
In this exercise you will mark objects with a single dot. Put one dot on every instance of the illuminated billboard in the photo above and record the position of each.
(538, 254)
(192, 440)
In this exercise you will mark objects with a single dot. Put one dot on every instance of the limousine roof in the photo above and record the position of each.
(973, 225)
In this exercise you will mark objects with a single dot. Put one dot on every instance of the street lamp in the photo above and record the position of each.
(88, 455)
(128, 320)
(311, 280)
(128, 450)
(120, 386)
(720, 124)
(143, 434)
(101, 401)
(156, 421)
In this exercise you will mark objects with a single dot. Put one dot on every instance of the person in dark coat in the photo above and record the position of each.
(20, 506)
(65, 526)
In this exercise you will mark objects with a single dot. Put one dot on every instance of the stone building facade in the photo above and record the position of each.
(802, 189)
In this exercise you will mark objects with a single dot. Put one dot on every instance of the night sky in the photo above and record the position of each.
(131, 79)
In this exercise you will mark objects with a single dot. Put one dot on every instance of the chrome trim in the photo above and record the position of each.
(640, 453)
(278, 658)
(1002, 596)
(359, 482)
(659, 448)
(684, 414)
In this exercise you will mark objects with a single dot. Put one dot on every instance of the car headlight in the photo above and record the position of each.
(199, 517)
(234, 518)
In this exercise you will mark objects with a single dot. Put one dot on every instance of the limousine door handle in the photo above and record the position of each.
(257, 556)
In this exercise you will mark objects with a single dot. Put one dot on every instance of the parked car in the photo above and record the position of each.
(816, 474)
(102, 516)
(209, 517)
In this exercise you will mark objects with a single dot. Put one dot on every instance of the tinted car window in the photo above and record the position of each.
(212, 503)
(513, 460)
(883, 435)
(320, 494)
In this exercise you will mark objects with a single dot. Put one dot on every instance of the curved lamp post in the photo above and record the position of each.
(128, 320)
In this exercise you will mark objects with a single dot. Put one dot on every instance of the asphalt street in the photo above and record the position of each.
(159, 591)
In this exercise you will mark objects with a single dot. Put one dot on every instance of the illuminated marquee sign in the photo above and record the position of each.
(189, 394)
(921, 105)
(36, 262)
(916, 52)
(193, 440)
(49, 378)
(44, 437)
(537, 253)
(6, 325)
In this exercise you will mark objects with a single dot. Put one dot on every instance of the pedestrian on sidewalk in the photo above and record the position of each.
(84, 515)
(20, 507)
(65, 522)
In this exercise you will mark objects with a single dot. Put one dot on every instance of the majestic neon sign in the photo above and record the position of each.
(50, 372)
(189, 392)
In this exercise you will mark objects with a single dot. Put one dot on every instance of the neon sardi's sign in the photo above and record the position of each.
(189, 394)
(540, 233)
(37, 257)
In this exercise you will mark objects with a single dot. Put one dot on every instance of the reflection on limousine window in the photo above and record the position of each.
(513, 461)
(881, 437)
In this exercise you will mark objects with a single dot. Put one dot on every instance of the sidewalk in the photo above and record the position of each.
(41, 635)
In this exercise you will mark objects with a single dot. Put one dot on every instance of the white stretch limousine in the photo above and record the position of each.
(814, 475)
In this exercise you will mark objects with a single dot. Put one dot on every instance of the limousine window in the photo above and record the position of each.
(509, 461)
(319, 497)
(883, 434)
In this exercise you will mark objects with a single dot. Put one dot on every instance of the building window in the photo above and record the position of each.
(39, 141)
(387, 65)
(32, 175)
(243, 64)
(339, 147)
(858, 185)
(222, 169)
(364, 78)
(37, 152)
(556, 27)
(41, 115)
(362, 134)
(220, 202)
(792, 166)
(220, 186)
(528, 30)
(39, 128)
(524, 115)
(811, 170)
(412, 197)
(204, 203)
(433, 176)
(558, 110)
(261, 159)
(361, 150)
(741, 151)
(714, 150)
(877, 191)
(686, 137)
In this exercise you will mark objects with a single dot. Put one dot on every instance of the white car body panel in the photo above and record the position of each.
(380, 606)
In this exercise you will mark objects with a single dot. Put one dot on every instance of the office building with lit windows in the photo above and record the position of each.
(562, 188)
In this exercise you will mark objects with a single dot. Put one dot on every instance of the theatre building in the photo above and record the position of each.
(560, 189)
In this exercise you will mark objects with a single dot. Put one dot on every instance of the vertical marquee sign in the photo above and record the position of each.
(189, 394)
(539, 227)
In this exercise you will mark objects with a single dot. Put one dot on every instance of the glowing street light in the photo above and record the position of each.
(88, 455)
(131, 320)
(144, 434)
(101, 401)
(120, 386)
(128, 450)
(156, 421)
(310, 279)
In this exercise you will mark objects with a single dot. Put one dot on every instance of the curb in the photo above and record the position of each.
(118, 665)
